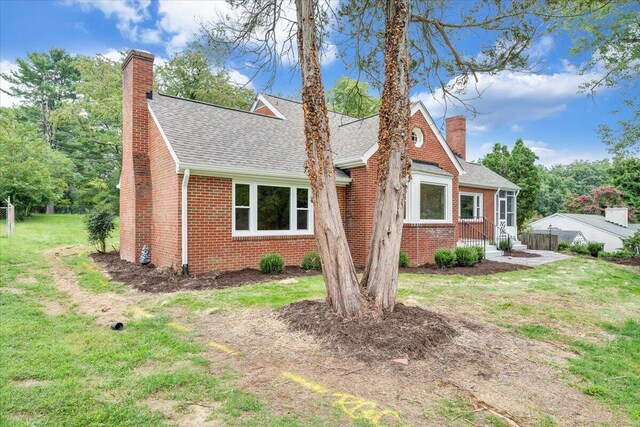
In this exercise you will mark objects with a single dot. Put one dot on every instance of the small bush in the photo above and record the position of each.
(564, 247)
(480, 251)
(466, 256)
(621, 253)
(505, 245)
(311, 261)
(632, 244)
(99, 224)
(403, 260)
(272, 264)
(595, 248)
(445, 258)
(579, 248)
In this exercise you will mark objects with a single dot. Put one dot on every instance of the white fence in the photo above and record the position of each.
(7, 219)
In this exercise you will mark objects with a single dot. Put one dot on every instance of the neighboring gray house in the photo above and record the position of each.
(569, 236)
(609, 229)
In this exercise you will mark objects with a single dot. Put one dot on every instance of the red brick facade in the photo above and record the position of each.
(488, 205)
(135, 179)
(150, 198)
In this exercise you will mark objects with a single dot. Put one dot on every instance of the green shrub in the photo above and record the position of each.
(505, 245)
(480, 251)
(579, 248)
(564, 247)
(595, 248)
(621, 253)
(311, 261)
(403, 260)
(99, 224)
(445, 258)
(632, 244)
(466, 256)
(272, 264)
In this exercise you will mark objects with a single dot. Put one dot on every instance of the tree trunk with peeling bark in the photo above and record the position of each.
(381, 273)
(343, 291)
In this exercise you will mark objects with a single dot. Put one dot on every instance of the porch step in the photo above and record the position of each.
(518, 246)
(493, 253)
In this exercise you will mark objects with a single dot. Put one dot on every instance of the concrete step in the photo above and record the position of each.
(493, 254)
(517, 246)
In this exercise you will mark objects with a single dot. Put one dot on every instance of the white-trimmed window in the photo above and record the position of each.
(264, 209)
(429, 199)
(470, 206)
(417, 137)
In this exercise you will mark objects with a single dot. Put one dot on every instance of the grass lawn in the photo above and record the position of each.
(65, 369)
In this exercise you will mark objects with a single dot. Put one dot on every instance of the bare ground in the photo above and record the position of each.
(510, 377)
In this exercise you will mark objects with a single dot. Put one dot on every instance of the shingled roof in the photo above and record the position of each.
(203, 136)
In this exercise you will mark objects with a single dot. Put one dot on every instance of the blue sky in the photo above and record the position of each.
(544, 107)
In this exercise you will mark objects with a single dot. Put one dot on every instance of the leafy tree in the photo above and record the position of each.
(44, 80)
(94, 129)
(553, 192)
(32, 173)
(100, 224)
(518, 166)
(608, 32)
(599, 199)
(351, 97)
(625, 176)
(192, 74)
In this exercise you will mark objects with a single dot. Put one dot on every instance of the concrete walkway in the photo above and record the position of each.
(544, 258)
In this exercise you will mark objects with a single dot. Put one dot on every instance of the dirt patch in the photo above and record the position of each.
(634, 262)
(482, 268)
(30, 382)
(405, 333)
(26, 280)
(514, 376)
(522, 254)
(149, 279)
(16, 291)
(193, 415)
(53, 308)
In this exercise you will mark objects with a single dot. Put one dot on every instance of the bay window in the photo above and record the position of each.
(429, 199)
(265, 209)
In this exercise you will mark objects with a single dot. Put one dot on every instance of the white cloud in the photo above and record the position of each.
(7, 100)
(113, 55)
(547, 155)
(515, 128)
(129, 15)
(329, 54)
(508, 98)
(239, 79)
(541, 47)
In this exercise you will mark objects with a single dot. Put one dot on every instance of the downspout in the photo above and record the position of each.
(185, 240)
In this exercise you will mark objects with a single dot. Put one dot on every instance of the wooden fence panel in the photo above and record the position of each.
(543, 242)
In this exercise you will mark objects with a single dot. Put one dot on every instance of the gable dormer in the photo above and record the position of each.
(262, 106)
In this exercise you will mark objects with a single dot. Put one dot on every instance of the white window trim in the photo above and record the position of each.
(477, 198)
(420, 137)
(413, 199)
(253, 211)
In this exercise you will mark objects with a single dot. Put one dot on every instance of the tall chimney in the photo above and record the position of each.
(619, 216)
(457, 135)
(135, 184)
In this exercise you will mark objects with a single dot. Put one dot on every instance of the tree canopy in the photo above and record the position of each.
(351, 97)
(518, 166)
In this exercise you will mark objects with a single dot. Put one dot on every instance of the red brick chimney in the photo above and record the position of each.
(135, 178)
(457, 135)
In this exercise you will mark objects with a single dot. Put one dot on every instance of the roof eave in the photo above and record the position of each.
(228, 172)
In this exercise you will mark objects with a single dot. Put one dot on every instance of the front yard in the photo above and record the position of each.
(554, 345)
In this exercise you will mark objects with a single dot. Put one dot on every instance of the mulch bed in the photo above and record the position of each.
(521, 254)
(482, 268)
(624, 261)
(154, 280)
(407, 332)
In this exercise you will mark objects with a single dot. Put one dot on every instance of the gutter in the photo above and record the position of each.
(185, 237)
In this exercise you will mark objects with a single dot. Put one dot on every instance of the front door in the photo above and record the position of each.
(506, 214)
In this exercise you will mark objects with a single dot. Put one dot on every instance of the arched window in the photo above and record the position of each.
(417, 137)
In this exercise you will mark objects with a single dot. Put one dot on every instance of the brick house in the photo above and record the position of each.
(214, 188)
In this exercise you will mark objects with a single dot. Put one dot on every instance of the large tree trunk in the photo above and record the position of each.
(381, 273)
(343, 292)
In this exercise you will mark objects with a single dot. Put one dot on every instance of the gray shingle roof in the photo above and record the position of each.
(426, 167)
(218, 137)
(600, 222)
(478, 175)
(224, 138)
